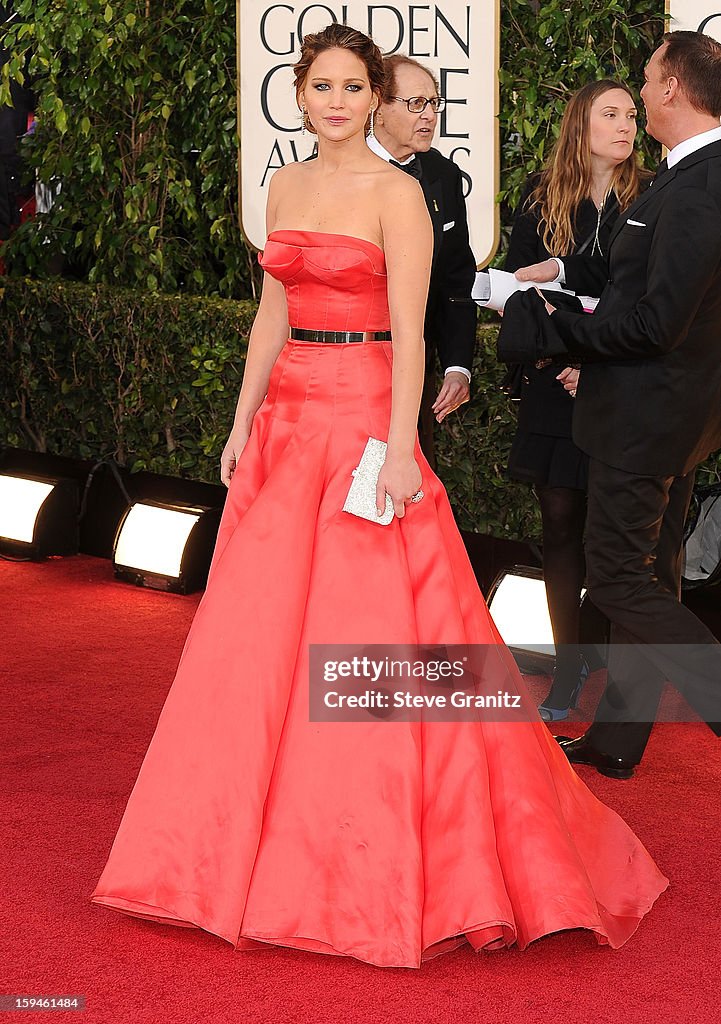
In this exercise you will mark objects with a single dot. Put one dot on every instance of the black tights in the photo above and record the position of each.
(563, 513)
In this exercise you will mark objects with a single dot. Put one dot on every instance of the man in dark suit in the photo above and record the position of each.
(648, 406)
(404, 127)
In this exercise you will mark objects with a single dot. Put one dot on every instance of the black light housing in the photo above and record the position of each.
(166, 546)
(38, 516)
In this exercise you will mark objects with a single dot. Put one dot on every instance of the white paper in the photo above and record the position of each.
(493, 288)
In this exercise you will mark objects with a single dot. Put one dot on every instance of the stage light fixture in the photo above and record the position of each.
(165, 546)
(517, 601)
(38, 516)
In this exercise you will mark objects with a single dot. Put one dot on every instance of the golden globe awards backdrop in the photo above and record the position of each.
(458, 40)
(695, 16)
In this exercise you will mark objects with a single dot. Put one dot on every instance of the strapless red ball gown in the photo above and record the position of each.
(388, 841)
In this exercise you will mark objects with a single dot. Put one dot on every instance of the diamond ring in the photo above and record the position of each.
(418, 496)
(572, 393)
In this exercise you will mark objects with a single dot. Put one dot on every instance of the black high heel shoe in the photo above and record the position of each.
(551, 714)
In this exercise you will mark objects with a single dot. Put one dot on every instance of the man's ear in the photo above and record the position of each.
(672, 89)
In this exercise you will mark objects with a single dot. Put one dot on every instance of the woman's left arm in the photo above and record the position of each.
(408, 243)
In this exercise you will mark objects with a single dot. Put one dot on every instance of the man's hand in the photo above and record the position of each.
(541, 272)
(549, 308)
(455, 391)
(569, 378)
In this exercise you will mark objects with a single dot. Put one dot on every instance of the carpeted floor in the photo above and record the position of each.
(85, 664)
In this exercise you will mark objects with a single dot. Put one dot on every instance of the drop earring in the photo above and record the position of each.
(302, 111)
(372, 126)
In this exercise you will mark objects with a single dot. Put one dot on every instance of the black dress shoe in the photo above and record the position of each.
(580, 751)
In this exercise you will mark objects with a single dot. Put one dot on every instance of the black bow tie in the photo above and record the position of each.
(663, 166)
(413, 168)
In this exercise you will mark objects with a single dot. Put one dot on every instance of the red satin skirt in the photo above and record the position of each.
(389, 841)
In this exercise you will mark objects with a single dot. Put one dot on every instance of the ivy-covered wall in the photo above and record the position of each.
(548, 50)
(136, 105)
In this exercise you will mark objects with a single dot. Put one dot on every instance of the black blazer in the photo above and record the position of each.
(545, 406)
(649, 397)
(450, 328)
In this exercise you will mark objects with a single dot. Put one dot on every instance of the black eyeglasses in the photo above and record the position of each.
(417, 104)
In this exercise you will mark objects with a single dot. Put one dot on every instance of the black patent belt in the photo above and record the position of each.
(338, 337)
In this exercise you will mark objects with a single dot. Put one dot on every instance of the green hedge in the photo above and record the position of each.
(92, 372)
(153, 379)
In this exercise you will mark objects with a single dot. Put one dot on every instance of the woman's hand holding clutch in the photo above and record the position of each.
(401, 478)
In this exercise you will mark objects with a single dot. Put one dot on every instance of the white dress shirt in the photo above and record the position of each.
(689, 146)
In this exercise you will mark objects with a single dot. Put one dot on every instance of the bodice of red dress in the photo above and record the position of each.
(332, 282)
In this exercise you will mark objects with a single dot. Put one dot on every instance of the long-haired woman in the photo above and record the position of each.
(591, 175)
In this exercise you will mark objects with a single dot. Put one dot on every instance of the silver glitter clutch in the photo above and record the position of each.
(361, 500)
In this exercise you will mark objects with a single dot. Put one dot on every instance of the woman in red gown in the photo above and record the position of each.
(386, 840)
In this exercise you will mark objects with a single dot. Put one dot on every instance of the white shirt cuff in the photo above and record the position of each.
(459, 369)
(560, 277)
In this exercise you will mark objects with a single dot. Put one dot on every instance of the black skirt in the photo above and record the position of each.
(548, 461)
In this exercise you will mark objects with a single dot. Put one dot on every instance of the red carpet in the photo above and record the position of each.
(85, 665)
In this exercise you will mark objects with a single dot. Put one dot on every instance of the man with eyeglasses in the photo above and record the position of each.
(405, 124)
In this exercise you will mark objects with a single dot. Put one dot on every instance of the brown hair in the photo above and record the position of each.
(399, 60)
(566, 179)
(341, 37)
(695, 60)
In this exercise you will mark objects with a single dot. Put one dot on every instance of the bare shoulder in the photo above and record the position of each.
(288, 176)
(397, 190)
(392, 177)
(400, 194)
(405, 223)
(286, 185)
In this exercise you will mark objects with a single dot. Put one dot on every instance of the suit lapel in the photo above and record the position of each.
(651, 193)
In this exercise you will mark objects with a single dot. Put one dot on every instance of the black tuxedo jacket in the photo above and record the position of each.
(450, 328)
(649, 397)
